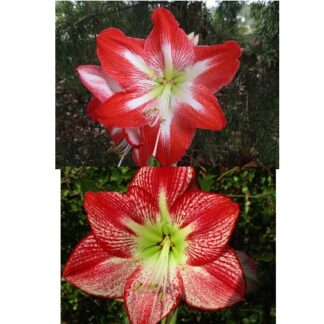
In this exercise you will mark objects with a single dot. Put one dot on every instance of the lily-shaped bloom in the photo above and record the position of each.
(102, 86)
(168, 84)
(162, 241)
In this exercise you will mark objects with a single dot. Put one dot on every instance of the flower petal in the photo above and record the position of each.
(141, 156)
(215, 66)
(144, 304)
(143, 206)
(174, 139)
(127, 109)
(116, 133)
(211, 219)
(108, 215)
(93, 106)
(121, 57)
(173, 181)
(95, 271)
(167, 47)
(215, 285)
(133, 136)
(99, 83)
(199, 108)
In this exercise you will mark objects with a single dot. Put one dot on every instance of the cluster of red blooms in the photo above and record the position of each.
(153, 93)
(164, 240)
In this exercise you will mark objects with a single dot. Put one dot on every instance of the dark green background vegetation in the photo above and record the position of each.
(250, 102)
(253, 189)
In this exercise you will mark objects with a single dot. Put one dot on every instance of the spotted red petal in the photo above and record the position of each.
(144, 303)
(215, 66)
(99, 83)
(216, 285)
(211, 218)
(174, 139)
(167, 45)
(121, 56)
(108, 214)
(200, 109)
(92, 269)
(173, 181)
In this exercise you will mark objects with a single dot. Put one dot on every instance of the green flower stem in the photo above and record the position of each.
(152, 161)
(172, 318)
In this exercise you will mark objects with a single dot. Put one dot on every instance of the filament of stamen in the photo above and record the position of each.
(156, 142)
(125, 148)
(160, 275)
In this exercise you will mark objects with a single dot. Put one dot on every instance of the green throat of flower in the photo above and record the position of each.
(160, 245)
(170, 83)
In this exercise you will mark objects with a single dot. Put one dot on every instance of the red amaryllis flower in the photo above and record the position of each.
(162, 241)
(168, 84)
(102, 86)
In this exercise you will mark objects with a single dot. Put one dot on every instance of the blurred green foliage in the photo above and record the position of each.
(253, 189)
(250, 102)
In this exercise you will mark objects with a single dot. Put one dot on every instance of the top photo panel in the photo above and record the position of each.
(167, 83)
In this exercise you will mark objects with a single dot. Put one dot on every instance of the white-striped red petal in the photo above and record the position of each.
(116, 133)
(173, 138)
(95, 271)
(144, 303)
(108, 214)
(200, 109)
(144, 207)
(167, 45)
(133, 136)
(173, 181)
(215, 66)
(216, 285)
(211, 218)
(121, 57)
(127, 109)
(99, 83)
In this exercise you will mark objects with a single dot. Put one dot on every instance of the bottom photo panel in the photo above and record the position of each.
(168, 245)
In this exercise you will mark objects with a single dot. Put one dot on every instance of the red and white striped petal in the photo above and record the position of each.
(215, 66)
(194, 39)
(141, 156)
(99, 83)
(108, 215)
(167, 47)
(133, 136)
(173, 137)
(116, 133)
(211, 218)
(250, 270)
(216, 285)
(127, 109)
(95, 271)
(144, 304)
(122, 57)
(199, 108)
(143, 206)
(93, 106)
(173, 181)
